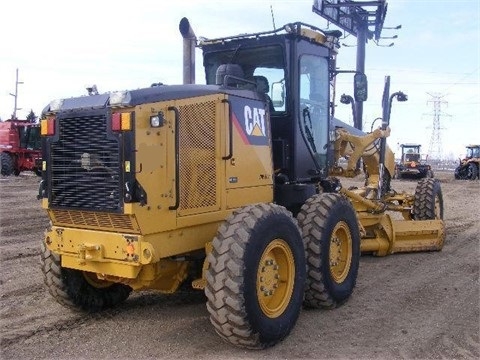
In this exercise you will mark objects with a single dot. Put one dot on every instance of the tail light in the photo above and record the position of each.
(47, 127)
(121, 121)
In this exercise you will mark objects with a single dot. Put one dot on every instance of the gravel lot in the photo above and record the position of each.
(407, 306)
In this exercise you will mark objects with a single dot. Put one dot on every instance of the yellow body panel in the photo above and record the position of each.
(133, 247)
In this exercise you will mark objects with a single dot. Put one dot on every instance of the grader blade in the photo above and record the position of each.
(395, 236)
(410, 236)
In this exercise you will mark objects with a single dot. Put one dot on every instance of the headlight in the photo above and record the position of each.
(120, 98)
(157, 120)
(56, 105)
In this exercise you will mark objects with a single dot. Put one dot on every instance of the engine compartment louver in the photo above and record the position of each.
(85, 164)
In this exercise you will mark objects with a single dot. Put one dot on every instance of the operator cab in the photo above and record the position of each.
(290, 67)
(473, 151)
(411, 153)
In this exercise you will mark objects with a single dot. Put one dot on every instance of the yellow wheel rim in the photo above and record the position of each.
(275, 278)
(93, 280)
(340, 256)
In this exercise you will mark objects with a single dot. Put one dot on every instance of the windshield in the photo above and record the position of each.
(259, 64)
(314, 101)
(30, 137)
(473, 152)
(411, 153)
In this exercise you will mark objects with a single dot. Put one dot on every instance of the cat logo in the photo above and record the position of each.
(255, 121)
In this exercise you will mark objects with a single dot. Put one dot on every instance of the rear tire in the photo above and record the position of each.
(256, 277)
(6, 164)
(398, 174)
(79, 290)
(332, 244)
(472, 171)
(428, 204)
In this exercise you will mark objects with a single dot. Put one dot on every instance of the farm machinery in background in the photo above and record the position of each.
(469, 167)
(20, 146)
(231, 187)
(412, 163)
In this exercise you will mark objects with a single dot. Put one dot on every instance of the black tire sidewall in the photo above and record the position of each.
(7, 167)
(90, 298)
(271, 228)
(473, 171)
(422, 194)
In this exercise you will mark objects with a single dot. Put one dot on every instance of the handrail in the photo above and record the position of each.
(230, 131)
(177, 159)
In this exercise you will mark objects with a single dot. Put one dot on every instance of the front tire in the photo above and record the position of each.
(398, 174)
(332, 243)
(79, 290)
(6, 166)
(256, 277)
(428, 204)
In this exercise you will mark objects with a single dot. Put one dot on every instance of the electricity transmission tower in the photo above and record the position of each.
(435, 148)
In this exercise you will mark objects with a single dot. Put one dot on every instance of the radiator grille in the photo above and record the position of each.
(198, 166)
(92, 220)
(85, 165)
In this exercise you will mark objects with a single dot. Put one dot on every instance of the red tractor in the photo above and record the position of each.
(20, 147)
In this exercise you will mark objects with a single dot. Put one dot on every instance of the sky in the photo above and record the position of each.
(60, 47)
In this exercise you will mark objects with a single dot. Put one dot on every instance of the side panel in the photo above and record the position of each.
(249, 172)
(193, 151)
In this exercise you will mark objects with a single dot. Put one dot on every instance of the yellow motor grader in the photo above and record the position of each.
(231, 187)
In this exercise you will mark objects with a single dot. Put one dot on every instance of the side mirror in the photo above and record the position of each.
(360, 87)
(278, 94)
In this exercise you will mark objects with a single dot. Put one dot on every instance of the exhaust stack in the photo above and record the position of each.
(189, 43)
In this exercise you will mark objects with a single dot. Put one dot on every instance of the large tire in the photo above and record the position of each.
(332, 244)
(256, 277)
(79, 290)
(457, 172)
(397, 174)
(7, 167)
(472, 171)
(428, 204)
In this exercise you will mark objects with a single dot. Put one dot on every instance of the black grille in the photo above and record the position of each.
(85, 165)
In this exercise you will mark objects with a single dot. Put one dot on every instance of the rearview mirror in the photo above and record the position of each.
(278, 94)
(360, 87)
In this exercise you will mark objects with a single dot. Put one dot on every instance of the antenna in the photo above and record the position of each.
(273, 16)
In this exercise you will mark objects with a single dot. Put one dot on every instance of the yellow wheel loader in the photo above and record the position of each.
(231, 187)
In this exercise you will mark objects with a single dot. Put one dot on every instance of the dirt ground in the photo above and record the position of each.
(408, 306)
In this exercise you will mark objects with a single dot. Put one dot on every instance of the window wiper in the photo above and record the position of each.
(308, 129)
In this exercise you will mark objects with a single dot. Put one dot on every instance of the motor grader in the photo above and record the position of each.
(231, 187)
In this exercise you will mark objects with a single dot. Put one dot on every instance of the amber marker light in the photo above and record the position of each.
(121, 121)
(47, 127)
(130, 249)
